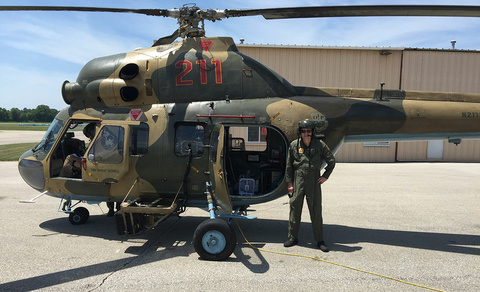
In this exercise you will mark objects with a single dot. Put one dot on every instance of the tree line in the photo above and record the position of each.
(43, 113)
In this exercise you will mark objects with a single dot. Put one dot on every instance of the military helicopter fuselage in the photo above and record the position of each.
(196, 123)
(162, 106)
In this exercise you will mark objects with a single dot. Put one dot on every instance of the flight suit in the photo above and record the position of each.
(303, 169)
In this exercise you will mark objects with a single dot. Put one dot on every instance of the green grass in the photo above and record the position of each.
(24, 127)
(11, 152)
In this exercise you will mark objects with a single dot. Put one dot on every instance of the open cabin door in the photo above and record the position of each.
(255, 161)
(107, 158)
(217, 171)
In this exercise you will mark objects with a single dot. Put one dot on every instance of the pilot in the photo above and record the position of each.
(73, 163)
(304, 160)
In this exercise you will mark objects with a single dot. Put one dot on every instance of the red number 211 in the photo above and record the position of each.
(188, 66)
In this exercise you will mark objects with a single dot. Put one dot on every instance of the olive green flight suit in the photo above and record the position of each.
(303, 169)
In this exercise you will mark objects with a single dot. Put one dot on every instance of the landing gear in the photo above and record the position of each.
(79, 216)
(76, 217)
(214, 240)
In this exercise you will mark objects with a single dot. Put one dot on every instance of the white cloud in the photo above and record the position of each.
(71, 40)
(29, 88)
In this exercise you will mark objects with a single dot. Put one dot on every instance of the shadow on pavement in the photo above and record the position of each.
(162, 243)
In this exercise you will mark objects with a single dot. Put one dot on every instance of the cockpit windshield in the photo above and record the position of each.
(50, 136)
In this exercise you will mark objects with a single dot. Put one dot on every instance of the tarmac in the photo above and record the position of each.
(384, 223)
(12, 137)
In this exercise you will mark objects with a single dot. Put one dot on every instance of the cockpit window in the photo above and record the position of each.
(50, 136)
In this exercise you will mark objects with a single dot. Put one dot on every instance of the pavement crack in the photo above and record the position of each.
(113, 272)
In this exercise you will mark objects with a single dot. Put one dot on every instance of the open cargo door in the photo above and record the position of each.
(217, 171)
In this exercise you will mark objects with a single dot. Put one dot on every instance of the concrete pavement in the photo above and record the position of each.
(417, 222)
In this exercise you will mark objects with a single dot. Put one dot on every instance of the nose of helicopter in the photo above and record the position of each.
(31, 170)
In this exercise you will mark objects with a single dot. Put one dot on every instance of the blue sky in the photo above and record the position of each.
(39, 50)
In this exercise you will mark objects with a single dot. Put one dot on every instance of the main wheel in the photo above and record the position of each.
(214, 240)
(79, 216)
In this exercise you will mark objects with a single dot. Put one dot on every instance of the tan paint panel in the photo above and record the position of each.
(286, 115)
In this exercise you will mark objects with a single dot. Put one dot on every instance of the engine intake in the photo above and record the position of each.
(71, 91)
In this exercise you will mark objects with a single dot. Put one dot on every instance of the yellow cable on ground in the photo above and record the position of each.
(336, 264)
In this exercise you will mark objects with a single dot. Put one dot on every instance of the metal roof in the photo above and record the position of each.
(281, 46)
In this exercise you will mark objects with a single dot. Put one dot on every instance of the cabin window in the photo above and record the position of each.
(108, 147)
(139, 139)
(189, 139)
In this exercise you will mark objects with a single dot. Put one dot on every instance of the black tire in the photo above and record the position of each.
(214, 240)
(79, 216)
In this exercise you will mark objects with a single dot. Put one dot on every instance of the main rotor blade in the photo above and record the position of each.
(352, 11)
(289, 12)
(152, 12)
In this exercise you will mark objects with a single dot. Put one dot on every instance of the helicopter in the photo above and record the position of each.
(159, 129)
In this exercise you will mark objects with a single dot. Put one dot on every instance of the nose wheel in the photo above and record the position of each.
(214, 240)
(79, 216)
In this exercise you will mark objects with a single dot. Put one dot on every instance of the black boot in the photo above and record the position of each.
(290, 242)
(323, 247)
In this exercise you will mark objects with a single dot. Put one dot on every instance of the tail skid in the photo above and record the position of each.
(32, 200)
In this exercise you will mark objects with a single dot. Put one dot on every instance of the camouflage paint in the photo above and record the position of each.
(206, 81)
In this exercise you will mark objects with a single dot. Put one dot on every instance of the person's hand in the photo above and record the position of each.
(321, 180)
(290, 188)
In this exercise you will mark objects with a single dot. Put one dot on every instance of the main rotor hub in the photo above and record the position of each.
(190, 17)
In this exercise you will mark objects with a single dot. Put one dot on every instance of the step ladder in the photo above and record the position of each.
(142, 213)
